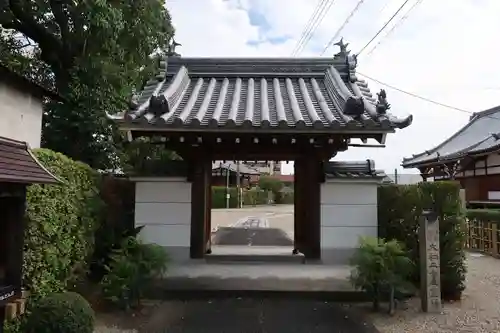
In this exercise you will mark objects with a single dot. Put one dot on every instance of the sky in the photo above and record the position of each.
(442, 50)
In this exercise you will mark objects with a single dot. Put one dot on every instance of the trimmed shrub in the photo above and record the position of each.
(381, 268)
(62, 219)
(131, 271)
(61, 313)
(483, 215)
(399, 211)
(219, 197)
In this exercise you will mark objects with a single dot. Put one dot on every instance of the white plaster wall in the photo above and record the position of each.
(348, 211)
(163, 207)
(493, 163)
(21, 115)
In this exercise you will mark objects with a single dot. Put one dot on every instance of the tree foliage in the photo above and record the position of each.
(94, 53)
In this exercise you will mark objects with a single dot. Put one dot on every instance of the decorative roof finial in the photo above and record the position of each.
(382, 105)
(171, 45)
(343, 47)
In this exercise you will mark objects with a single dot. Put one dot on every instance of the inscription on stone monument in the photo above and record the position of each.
(430, 262)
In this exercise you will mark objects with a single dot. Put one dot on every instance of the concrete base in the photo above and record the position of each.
(201, 280)
(254, 254)
(286, 277)
(337, 256)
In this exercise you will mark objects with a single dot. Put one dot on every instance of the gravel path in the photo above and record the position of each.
(478, 312)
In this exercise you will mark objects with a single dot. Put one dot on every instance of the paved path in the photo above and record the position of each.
(255, 316)
(251, 231)
(279, 216)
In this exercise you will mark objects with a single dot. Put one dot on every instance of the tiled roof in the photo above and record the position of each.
(19, 165)
(480, 135)
(356, 169)
(232, 167)
(14, 78)
(274, 93)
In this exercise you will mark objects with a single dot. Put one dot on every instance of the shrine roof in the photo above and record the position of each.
(479, 136)
(299, 94)
(353, 170)
(19, 165)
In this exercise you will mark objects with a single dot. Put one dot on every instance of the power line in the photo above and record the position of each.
(337, 34)
(383, 27)
(307, 28)
(397, 25)
(415, 95)
(316, 23)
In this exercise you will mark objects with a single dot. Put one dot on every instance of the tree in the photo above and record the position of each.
(93, 53)
(269, 183)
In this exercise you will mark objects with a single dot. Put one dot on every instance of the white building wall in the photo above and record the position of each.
(163, 207)
(21, 115)
(348, 211)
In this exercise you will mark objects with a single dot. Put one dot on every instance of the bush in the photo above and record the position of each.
(255, 196)
(61, 313)
(62, 219)
(132, 269)
(219, 197)
(118, 195)
(483, 215)
(399, 211)
(381, 268)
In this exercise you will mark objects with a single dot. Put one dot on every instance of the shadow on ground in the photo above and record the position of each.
(240, 315)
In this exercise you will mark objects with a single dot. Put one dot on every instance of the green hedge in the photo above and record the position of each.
(484, 215)
(219, 197)
(254, 196)
(399, 210)
(62, 219)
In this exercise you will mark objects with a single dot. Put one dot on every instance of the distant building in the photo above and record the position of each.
(403, 179)
(470, 156)
(21, 108)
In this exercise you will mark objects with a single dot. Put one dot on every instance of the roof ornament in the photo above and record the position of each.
(158, 105)
(382, 104)
(354, 107)
(343, 47)
(350, 60)
(171, 45)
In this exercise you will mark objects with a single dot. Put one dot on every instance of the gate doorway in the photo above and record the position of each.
(304, 110)
(255, 222)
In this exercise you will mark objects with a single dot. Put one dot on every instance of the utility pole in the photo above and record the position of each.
(227, 185)
(238, 185)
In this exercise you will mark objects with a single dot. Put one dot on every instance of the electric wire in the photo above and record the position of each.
(398, 24)
(414, 95)
(339, 31)
(383, 27)
(316, 23)
(307, 27)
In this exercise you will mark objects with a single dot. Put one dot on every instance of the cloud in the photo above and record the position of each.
(444, 50)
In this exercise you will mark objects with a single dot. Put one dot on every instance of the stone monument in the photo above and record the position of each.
(430, 274)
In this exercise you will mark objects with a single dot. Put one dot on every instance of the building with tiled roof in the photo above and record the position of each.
(304, 110)
(471, 155)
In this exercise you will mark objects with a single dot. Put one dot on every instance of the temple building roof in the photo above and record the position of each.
(479, 136)
(353, 170)
(298, 94)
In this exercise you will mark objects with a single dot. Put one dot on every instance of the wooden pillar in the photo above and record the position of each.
(312, 204)
(201, 169)
(299, 204)
(208, 219)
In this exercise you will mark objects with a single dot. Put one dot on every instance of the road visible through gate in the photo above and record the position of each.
(254, 226)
